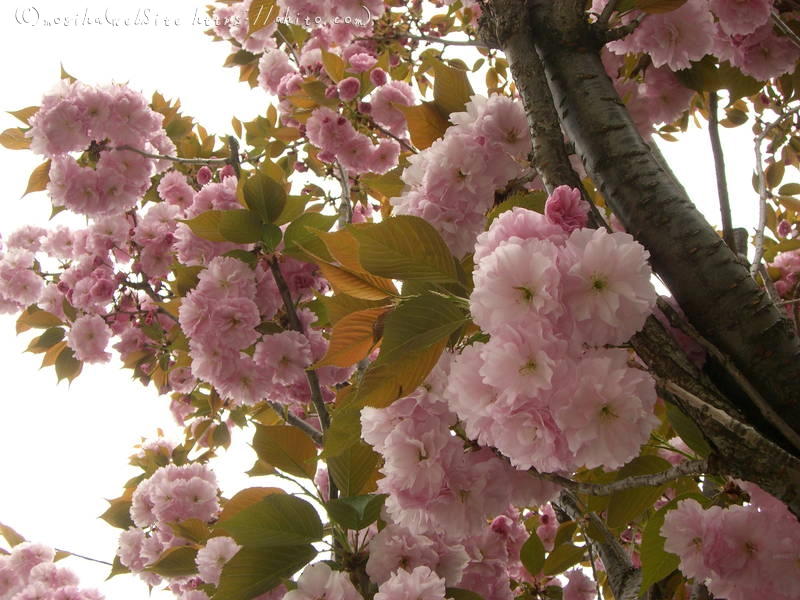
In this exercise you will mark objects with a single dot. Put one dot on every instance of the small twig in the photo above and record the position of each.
(212, 162)
(233, 161)
(346, 204)
(89, 558)
(437, 40)
(785, 29)
(769, 286)
(399, 140)
(611, 35)
(293, 419)
(145, 287)
(605, 16)
(762, 190)
(694, 467)
(758, 400)
(294, 323)
(719, 167)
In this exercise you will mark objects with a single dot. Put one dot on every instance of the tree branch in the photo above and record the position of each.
(719, 167)
(623, 578)
(293, 419)
(711, 285)
(695, 467)
(294, 323)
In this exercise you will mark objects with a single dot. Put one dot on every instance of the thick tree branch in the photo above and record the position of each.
(711, 285)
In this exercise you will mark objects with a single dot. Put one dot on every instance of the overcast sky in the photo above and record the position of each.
(65, 448)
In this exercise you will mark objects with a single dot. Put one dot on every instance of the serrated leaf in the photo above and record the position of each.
(34, 317)
(277, 520)
(626, 505)
(405, 247)
(534, 201)
(67, 366)
(261, 14)
(334, 65)
(418, 323)
(240, 226)
(340, 305)
(303, 228)
(562, 558)
(287, 448)
(14, 139)
(352, 338)
(344, 432)
(565, 532)
(451, 88)
(254, 571)
(532, 554)
(657, 563)
(175, 562)
(354, 469)
(293, 209)
(118, 513)
(194, 530)
(206, 225)
(359, 285)
(39, 178)
(384, 383)
(264, 195)
(246, 497)
(388, 185)
(426, 123)
(24, 114)
(356, 512)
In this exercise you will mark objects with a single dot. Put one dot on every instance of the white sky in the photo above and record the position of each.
(63, 449)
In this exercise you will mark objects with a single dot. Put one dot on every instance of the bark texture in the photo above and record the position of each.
(713, 288)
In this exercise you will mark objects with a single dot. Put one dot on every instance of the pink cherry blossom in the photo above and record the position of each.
(213, 556)
(419, 584)
(88, 338)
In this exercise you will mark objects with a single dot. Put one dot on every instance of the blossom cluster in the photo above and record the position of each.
(171, 495)
(551, 293)
(28, 572)
(740, 552)
(80, 118)
(452, 183)
(441, 496)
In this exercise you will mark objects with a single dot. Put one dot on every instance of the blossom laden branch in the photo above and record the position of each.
(689, 468)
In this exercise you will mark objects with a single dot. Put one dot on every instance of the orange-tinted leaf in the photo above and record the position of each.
(352, 338)
(426, 123)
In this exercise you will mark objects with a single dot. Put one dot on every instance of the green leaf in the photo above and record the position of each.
(34, 317)
(534, 201)
(339, 306)
(118, 513)
(14, 139)
(657, 563)
(264, 196)
(385, 382)
(271, 236)
(344, 432)
(356, 512)
(532, 554)
(352, 338)
(565, 532)
(240, 226)
(175, 562)
(302, 229)
(789, 189)
(426, 123)
(688, 431)
(287, 448)
(185, 278)
(562, 558)
(659, 6)
(254, 571)
(117, 568)
(388, 185)
(67, 366)
(39, 178)
(354, 468)
(626, 505)
(418, 323)
(206, 225)
(451, 88)
(276, 520)
(11, 536)
(405, 247)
